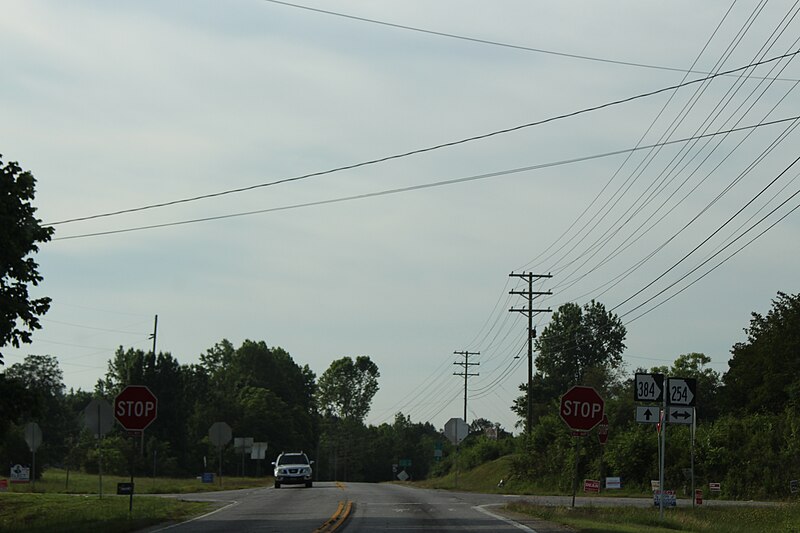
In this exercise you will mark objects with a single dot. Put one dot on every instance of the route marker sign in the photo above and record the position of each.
(681, 391)
(647, 415)
(135, 407)
(582, 408)
(648, 387)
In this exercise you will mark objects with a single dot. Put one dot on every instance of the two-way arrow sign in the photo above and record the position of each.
(680, 415)
(647, 415)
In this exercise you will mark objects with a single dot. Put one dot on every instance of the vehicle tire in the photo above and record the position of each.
(277, 485)
(308, 484)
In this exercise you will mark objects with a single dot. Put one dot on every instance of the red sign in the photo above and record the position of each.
(591, 485)
(698, 496)
(135, 407)
(582, 408)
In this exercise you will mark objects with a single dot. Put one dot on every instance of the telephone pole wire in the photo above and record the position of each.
(466, 373)
(529, 311)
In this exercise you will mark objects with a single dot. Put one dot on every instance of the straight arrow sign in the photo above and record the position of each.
(647, 415)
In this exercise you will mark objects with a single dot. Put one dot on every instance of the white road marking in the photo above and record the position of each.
(482, 508)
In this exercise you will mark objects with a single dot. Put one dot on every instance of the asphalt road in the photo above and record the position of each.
(368, 507)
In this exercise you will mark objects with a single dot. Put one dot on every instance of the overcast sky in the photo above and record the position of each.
(120, 105)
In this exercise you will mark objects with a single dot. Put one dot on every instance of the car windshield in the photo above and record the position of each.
(293, 459)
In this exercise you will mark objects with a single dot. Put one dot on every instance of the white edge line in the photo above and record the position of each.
(482, 508)
(234, 502)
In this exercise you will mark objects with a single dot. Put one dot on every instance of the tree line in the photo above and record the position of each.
(748, 418)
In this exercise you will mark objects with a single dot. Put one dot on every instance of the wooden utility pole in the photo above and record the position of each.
(529, 311)
(466, 373)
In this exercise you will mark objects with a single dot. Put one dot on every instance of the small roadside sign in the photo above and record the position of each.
(125, 489)
(613, 483)
(668, 497)
(681, 391)
(698, 496)
(591, 485)
(403, 476)
(648, 387)
(208, 477)
(680, 415)
(794, 486)
(715, 487)
(3, 485)
(405, 462)
(647, 415)
(20, 474)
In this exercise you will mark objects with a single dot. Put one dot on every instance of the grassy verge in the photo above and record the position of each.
(67, 505)
(65, 513)
(783, 518)
(55, 481)
(485, 478)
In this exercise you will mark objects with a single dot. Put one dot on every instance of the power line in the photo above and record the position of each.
(491, 42)
(421, 150)
(387, 192)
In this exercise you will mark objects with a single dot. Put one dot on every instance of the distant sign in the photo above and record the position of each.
(456, 430)
(591, 485)
(20, 474)
(715, 487)
(259, 450)
(33, 436)
(698, 496)
(125, 489)
(219, 434)
(794, 486)
(405, 462)
(403, 476)
(98, 416)
(613, 483)
(3, 485)
(668, 497)
(208, 477)
(648, 388)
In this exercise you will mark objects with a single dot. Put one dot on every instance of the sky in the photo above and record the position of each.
(390, 164)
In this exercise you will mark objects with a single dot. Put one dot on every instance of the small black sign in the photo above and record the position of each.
(125, 488)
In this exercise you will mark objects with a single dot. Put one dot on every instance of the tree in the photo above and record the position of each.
(580, 346)
(346, 389)
(764, 371)
(20, 231)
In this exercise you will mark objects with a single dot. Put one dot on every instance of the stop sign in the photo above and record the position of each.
(135, 407)
(582, 408)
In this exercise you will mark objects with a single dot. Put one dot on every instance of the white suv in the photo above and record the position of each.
(292, 468)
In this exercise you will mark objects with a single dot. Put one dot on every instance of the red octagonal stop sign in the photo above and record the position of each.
(582, 408)
(135, 407)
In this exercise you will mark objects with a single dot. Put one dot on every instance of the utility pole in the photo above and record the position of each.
(529, 311)
(466, 373)
(153, 335)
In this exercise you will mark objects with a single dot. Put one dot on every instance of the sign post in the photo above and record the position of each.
(99, 419)
(220, 434)
(33, 436)
(582, 408)
(456, 430)
(135, 408)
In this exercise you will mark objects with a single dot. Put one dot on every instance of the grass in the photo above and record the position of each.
(72, 513)
(782, 518)
(55, 481)
(76, 506)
